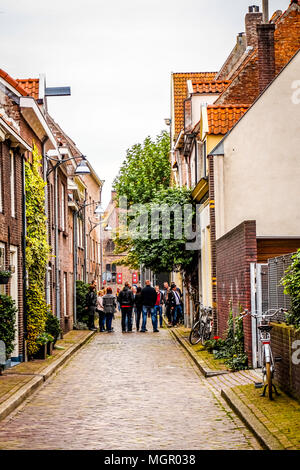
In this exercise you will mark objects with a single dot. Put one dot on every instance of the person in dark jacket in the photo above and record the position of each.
(91, 305)
(175, 304)
(159, 304)
(149, 297)
(109, 305)
(126, 301)
(138, 307)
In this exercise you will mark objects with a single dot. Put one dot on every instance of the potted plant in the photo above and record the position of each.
(43, 340)
(4, 276)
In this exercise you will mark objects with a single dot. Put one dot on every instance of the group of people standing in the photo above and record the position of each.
(143, 303)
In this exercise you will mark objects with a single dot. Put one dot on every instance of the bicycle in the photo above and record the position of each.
(202, 328)
(268, 362)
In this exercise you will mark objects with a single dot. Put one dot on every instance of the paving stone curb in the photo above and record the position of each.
(24, 392)
(265, 438)
(199, 363)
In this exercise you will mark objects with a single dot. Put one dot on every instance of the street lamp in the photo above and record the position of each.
(98, 211)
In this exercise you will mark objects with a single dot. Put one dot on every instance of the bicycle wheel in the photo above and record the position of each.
(195, 334)
(269, 380)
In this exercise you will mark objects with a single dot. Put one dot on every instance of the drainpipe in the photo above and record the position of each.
(84, 239)
(57, 286)
(45, 167)
(75, 213)
(24, 273)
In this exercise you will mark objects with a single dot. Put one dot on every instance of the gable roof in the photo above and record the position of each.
(219, 148)
(30, 85)
(244, 86)
(222, 118)
(179, 81)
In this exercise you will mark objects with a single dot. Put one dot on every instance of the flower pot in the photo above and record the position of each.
(42, 352)
(50, 348)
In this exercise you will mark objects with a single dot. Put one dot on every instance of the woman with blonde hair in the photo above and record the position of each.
(100, 311)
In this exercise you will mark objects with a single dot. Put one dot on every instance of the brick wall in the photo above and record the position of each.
(234, 253)
(287, 373)
(11, 227)
(287, 37)
(244, 88)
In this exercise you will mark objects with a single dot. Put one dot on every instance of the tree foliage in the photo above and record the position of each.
(144, 179)
(145, 170)
(37, 251)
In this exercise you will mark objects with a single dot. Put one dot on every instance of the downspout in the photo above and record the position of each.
(57, 286)
(24, 273)
(45, 167)
(75, 213)
(84, 239)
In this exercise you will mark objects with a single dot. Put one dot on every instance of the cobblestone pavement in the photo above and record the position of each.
(126, 391)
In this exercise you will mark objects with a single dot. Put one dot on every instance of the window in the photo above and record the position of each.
(63, 215)
(79, 232)
(12, 184)
(2, 265)
(65, 291)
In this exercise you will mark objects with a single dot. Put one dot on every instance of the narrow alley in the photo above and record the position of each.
(126, 391)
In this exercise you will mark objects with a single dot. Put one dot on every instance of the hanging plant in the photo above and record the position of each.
(5, 277)
(37, 251)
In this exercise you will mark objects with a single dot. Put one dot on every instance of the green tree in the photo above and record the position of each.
(145, 170)
(144, 179)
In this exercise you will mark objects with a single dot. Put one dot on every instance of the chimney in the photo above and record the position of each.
(266, 54)
(252, 19)
(265, 5)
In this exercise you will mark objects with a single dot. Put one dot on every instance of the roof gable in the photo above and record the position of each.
(179, 83)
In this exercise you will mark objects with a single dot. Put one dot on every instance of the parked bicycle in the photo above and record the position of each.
(202, 327)
(268, 362)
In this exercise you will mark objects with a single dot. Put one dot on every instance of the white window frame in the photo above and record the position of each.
(63, 211)
(12, 184)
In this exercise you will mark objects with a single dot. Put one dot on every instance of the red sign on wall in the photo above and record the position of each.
(135, 278)
(119, 278)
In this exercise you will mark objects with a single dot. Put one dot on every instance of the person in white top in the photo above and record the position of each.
(100, 311)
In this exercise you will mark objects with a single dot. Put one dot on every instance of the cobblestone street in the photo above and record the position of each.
(126, 391)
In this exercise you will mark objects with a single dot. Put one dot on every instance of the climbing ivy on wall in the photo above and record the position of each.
(37, 251)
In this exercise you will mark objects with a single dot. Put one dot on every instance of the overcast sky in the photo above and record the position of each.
(117, 57)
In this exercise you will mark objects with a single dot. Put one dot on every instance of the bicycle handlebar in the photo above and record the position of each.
(263, 314)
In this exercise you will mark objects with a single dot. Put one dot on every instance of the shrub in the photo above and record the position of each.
(36, 317)
(82, 289)
(52, 326)
(8, 313)
(291, 283)
(232, 348)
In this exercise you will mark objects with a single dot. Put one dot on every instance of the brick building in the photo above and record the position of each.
(206, 106)
(114, 275)
(21, 125)
(71, 199)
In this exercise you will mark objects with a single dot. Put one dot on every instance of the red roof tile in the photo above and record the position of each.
(222, 118)
(12, 82)
(210, 87)
(31, 85)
